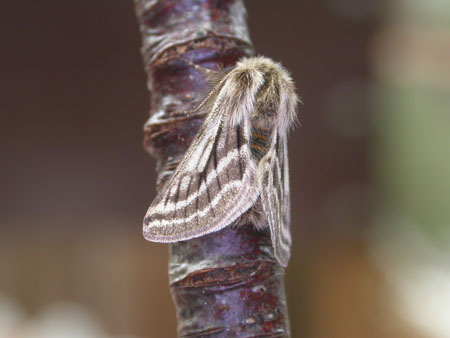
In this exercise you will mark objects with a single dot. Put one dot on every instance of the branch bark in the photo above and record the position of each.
(226, 284)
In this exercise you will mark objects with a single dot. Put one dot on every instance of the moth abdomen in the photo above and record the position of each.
(259, 142)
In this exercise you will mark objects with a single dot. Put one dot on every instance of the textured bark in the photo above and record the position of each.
(225, 284)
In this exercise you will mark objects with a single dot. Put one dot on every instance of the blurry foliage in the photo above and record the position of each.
(420, 12)
(410, 240)
(414, 145)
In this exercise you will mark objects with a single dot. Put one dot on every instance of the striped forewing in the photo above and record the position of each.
(274, 181)
(214, 184)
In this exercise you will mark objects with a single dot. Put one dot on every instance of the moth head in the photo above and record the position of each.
(239, 92)
(276, 100)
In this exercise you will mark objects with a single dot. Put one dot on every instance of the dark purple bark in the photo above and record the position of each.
(226, 284)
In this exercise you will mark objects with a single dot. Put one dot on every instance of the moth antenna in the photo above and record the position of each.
(206, 71)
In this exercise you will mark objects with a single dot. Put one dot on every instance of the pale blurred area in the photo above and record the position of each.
(370, 170)
(409, 240)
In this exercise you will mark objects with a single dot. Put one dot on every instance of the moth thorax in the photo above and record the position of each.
(267, 109)
(261, 119)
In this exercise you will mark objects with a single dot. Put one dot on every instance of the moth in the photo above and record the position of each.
(236, 168)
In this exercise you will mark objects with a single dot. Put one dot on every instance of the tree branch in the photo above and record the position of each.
(225, 284)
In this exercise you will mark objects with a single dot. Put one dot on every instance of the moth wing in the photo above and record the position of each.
(274, 181)
(214, 184)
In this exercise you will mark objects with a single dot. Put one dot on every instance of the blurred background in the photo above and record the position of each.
(370, 169)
